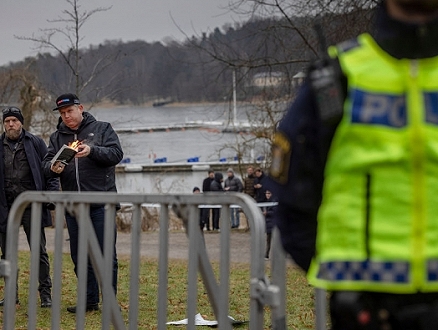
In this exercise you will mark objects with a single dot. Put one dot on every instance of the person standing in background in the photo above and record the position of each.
(196, 190)
(206, 188)
(232, 183)
(22, 154)
(92, 169)
(259, 185)
(216, 186)
(248, 182)
(268, 212)
(248, 186)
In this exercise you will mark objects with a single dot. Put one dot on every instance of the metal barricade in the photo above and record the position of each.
(263, 292)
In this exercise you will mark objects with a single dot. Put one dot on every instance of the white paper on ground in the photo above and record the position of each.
(199, 320)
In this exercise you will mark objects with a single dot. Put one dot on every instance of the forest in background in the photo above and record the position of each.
(199, 69)
(254, 61)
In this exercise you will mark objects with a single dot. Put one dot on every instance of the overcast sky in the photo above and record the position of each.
(149, 20)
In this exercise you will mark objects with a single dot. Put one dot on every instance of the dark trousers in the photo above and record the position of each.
(97, 215)
(352, 310)
(268, 244)
(45, 282)
(205, 218)
(216, 215)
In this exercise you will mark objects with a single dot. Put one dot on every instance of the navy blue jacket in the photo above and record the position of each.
(35, 149)
(299, 198)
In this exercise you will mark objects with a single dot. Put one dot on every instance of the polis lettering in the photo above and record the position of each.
(381, 109)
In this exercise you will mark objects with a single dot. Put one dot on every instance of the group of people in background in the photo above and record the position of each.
(253, 184)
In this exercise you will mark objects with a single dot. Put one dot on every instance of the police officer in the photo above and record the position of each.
(357, 184)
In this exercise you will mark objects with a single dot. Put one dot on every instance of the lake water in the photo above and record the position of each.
(209, 145)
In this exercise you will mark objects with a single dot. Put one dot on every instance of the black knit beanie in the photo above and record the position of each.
(13, 112)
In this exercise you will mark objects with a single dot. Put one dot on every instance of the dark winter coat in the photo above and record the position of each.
(206, 184)
(249, 185)
(260, 192)
(234, 183)
(35, 150)
(216, 184)
(96, 172)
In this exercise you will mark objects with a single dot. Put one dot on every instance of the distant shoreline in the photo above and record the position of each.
(111, 105)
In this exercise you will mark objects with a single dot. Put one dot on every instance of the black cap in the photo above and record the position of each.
(13, 112)
(65, 100)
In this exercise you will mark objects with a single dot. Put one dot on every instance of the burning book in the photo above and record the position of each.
(66, 153)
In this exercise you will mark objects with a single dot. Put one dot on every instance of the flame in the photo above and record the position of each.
(74, 144)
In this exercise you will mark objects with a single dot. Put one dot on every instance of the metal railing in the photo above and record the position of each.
(263, 291)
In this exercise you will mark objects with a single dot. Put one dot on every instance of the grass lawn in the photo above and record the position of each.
(300, 296)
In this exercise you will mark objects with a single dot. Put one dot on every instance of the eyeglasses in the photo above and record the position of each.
(11, 110)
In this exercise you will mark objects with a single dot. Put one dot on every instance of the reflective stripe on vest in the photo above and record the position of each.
(373, 271)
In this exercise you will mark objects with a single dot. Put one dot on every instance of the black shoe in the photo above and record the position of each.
(2, 302)
(89, 308)
(46, 302)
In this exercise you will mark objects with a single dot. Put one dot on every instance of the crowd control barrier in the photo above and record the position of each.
(264, 291)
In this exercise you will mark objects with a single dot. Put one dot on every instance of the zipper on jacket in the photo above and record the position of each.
(367, 214)
(78, 183)
(414, 68)
(415, 106)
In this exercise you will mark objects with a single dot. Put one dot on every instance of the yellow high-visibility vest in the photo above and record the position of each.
(378, 221)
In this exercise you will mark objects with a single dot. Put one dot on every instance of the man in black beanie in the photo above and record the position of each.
(13, 112)
(22, 154)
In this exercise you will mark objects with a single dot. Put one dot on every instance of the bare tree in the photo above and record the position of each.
(69, 26)
(281, 41)
(20, 86)
(285, 32)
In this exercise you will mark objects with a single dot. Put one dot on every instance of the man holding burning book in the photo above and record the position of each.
(92, 169)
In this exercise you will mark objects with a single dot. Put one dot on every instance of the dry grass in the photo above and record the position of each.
(299, 296)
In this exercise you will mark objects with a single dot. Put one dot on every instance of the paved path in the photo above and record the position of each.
(178, 244)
